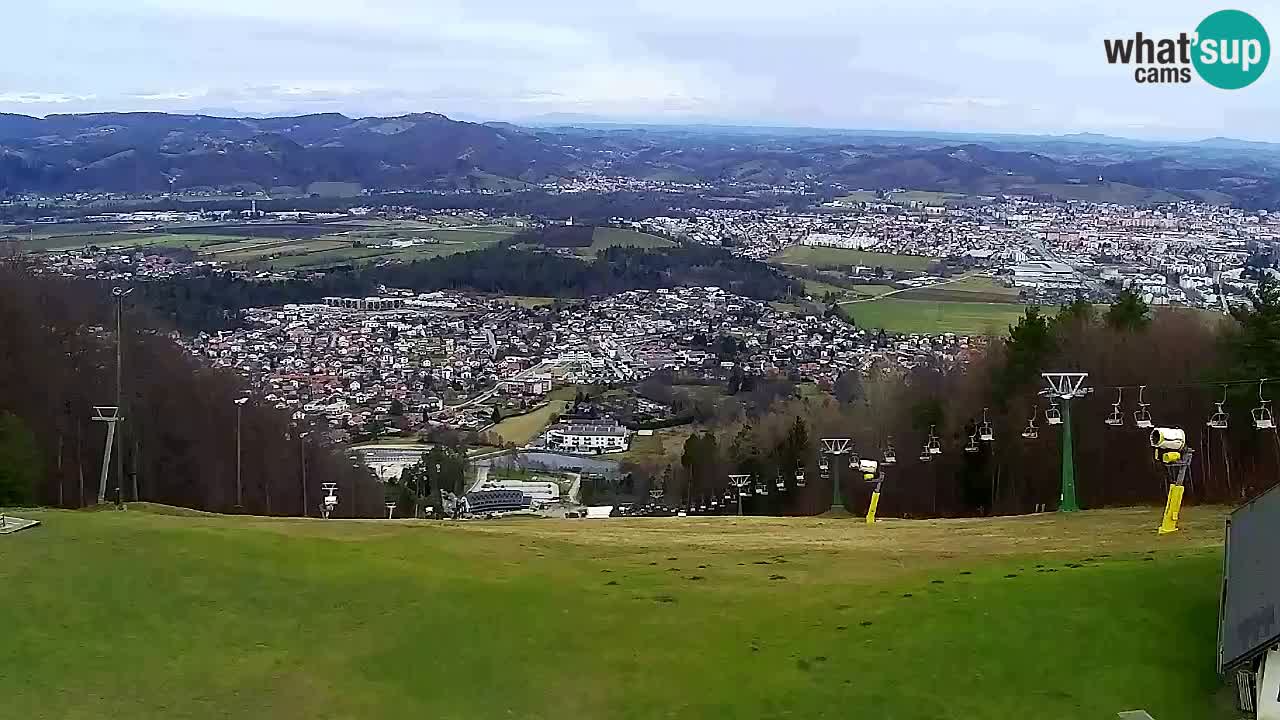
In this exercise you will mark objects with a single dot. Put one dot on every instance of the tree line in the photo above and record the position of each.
(1188, 361)
(214, 300)
(57, 348)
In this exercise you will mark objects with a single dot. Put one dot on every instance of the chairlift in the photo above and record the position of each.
(933, 446)
(1262, 417)
(1219, 420)
(823, 464)
(1052, 415)
(986, 433)
(1032, 432)
(1142, 416)
(972, 445)
(890, 455)
(1116, 419)
(853, 461)
(782, 483)
(762, 488)
(925, 455)
(799, 477)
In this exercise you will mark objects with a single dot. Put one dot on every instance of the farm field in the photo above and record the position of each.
(976, 288)
(819, 290)
(607, 237)
(921, 316)
(826, 257)
(1077, 616)
(520, 429)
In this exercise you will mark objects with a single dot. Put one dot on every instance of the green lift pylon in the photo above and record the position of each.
(1066, 387)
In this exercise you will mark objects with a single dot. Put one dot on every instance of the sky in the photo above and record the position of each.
(996, 66)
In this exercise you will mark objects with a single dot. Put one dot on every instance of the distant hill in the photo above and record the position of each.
(157, 152)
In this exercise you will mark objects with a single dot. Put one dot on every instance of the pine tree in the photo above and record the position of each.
(1129, 312)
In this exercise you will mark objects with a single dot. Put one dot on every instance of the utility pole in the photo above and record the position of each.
(120, 294)
(239, 483)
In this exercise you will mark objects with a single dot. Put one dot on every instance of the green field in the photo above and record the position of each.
(926, 197)
(607, 237)
(825, 257)
(139, 615)
(921, 316)
(520, 429)
(976, 288)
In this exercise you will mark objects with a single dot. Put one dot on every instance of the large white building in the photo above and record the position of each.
(588, 436)
(1044, 274)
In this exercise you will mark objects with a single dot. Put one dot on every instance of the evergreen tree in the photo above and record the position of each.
(1129, 312)
(20, 466)
(1254, 348)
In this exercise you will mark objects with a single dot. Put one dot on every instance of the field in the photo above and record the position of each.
(607, 237)
(140, 615)
(926, 197)
(297, 246)
(818, 290)
(975, 288)
(520, 429)
(920, 316)
(825, 257)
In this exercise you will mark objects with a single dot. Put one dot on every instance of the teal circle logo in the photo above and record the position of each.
(1232, 49)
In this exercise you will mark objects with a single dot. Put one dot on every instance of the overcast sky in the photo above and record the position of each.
(1008, 66)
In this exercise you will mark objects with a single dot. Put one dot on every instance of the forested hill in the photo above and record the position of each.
(214, 301)
(179, 437)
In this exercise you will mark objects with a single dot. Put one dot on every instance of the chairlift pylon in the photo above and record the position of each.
(1142, 416)
(1116, 419)
(1219, 419)
(1263, 419)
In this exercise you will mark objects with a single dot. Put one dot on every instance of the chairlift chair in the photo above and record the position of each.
(1262, 417)
(799, 477)
(1219, 419)
(853, 461)
(972, 445)
(1032, 432)
(925, 455)
(762, 488)
(1052, 414)
(782, 483)
(890, 455)
(986, 433)
(1116, 419)
(1142, 416)
(933, 446)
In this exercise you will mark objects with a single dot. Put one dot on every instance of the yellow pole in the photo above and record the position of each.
(871, 510)
(1171, 510)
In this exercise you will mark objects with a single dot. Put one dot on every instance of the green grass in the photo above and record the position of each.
(137, 615)
(862, 196)
(607, 237)
(818, 290)
(920, 316)
(825, 257)
(927, 197)
(520, 429)
(976, 288)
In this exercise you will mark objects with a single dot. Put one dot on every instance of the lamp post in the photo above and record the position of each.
(120, 294)
(239, 482)
(302, 457)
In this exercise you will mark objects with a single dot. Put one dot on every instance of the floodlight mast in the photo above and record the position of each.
(836, 446)
(1066, 387)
